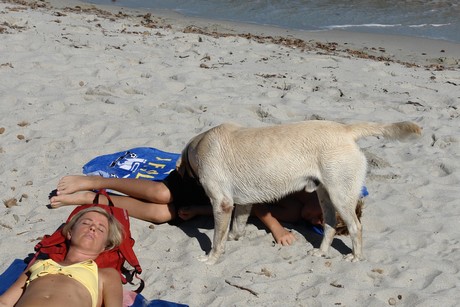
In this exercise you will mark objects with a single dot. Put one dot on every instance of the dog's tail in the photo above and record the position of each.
(394, 131)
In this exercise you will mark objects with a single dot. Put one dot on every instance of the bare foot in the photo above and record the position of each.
(75, 199)
(76, 183)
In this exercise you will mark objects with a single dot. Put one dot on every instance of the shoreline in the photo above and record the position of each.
(374, 27)
(432, 54)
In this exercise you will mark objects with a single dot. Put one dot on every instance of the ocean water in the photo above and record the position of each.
(436, 19)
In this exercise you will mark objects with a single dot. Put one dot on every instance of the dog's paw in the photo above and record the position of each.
(317, 253)
(207, 259)
(233, 236)
(202, 258)
(353, 258)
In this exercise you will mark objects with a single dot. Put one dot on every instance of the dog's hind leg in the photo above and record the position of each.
(240, 219)
(345, 198)
(222, 210)
(329, 222)
(348, 215)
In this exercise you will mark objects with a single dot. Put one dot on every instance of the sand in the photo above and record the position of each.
(79, 81)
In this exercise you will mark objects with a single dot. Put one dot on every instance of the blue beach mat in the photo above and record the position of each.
(141, 301)
(18, 266)
(140, 162)
(12, 273)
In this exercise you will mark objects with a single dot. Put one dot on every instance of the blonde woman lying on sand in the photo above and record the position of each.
(76, 281)
(181, 198)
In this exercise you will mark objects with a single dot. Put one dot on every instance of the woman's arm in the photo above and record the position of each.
(267, 213)
(112, 290)
(14, 293)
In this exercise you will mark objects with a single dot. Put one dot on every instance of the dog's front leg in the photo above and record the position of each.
(222, 214)
(240, 219)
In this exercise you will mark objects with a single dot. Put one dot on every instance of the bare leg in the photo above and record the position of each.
(150, 212)
(147, 200)
(152, 191)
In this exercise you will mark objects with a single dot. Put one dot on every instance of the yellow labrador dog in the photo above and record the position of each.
(243, 166)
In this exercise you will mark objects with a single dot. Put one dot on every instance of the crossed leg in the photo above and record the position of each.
(146, 200)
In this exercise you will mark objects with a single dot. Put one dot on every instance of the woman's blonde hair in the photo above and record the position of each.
(115, 231)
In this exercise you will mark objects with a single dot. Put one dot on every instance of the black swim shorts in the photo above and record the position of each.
(186, 191)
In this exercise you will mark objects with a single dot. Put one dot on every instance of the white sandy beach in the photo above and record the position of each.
(78, 82)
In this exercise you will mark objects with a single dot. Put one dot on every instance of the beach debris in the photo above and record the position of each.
(414, 103)
(434, 139)
(267, 76)
(20, 137)
(341, 93)
(2, 130)
(148, 22)
(6, 64)
(263, 272)
(5, 25)
(336, 284)
(206, 58)
(6, 226)
(10, 202)
(391, 301)
(23, 124)
(242, 288)
(379, 271)
(23, 196)
(59, 14)
(262, 112)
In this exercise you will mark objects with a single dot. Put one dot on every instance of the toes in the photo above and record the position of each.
(54, 203)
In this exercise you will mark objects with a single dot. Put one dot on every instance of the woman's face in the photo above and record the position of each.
(91, 232)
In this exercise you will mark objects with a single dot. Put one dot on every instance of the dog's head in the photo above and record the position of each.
(183, 165)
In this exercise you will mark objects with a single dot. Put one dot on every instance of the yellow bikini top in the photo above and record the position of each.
(85, 272)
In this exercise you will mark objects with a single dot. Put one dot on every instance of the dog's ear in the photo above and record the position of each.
(180, 167)
(178, 162)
